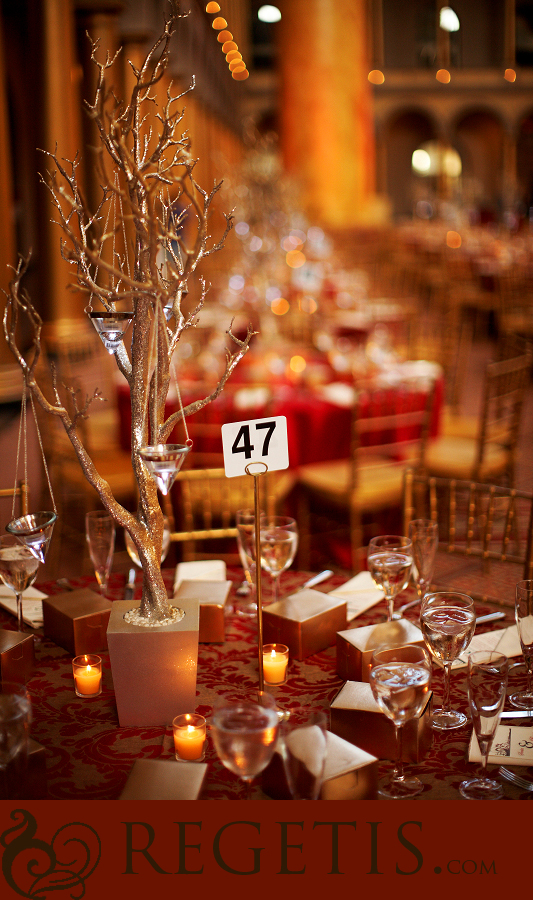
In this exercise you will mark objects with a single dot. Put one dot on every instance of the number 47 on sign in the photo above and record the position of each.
(255, 441)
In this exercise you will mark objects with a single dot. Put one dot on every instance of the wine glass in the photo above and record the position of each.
(245, 522)
(487, 684)
(448, 622)
(15, 720)
(424, 535)
(279, 542)
(132, 549)
(524, 623)
(400, 678)
(18, 569)
(245, 735)
(389, 560)
(303, 746)
(100, 534)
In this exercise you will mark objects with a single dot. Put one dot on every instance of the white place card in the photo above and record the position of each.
(200, 570)
(512, 746)
(258, 441)
(32, 605)
(504, 640)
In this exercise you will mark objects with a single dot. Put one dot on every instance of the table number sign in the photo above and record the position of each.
(255, 441)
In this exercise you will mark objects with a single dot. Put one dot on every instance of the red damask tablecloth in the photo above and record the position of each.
(88, 756)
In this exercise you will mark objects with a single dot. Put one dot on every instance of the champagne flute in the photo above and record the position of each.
(424, 535)
(18, 569)
(389, 560)
(279, 542)
(400, 678)
(448, 622)
(487, 684)
(100, 534)
(245, 522)
(132, 549)
(303, 747)
(245, 735)
(524, 623)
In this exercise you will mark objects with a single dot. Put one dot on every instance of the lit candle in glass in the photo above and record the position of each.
(189, 731)
(275, 661)
(87, 671)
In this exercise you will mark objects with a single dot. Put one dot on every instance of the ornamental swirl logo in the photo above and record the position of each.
(33, 868)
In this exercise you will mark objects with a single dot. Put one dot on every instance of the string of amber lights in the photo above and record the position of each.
(236, 64)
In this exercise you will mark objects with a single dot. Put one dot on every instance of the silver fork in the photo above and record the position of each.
(516, 779)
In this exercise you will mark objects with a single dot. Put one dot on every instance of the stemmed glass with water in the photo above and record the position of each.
(400, 679)
(487, 685)
(18, 570)
(448, 622)
(245, 523)
(279, 542)
(424, 536)
(245, 735)
(100, 534)
(389, 560)
(524, 624)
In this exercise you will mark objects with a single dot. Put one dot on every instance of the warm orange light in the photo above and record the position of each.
(233, 54)
(280, 306)
(443, 76)
(240, 74)
(297, 364)
(509, 75)
(227, 46)
(212, 7)
(453, 240)
(236, 64)
(376, 77)
(219, 23)
(308, 305)
(295, 259)
(224, 36)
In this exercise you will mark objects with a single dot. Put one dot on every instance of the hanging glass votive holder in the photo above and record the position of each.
(164, 462)
(111, 326)
(34, 531)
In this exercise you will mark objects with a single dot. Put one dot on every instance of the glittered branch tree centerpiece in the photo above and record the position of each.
(134, 257)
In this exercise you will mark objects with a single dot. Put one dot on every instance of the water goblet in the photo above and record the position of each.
(448, 622)
(303, 746)
(245, 523)
(279, 542)
(100, 534)
(400, 680)
(245, 734)
(389, 560)
(487, 684)
(424, 535)
(524, 624)
(18, 569)
(15, 720)
(132, 549)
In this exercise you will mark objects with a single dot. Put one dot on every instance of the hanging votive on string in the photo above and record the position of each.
(111, 326)
(164, 461)
(34, 531)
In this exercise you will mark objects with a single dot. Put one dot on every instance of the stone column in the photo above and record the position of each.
(326, 110)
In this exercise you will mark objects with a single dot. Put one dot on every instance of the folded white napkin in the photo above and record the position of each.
(360, 592)
(32, 605)
(200, 570)
(504, 640)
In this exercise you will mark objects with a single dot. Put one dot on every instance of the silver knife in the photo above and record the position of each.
(316, 579)
(130, 587)
(490, 617)
(517, 714)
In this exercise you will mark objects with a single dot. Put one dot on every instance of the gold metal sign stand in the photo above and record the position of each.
(257, 516)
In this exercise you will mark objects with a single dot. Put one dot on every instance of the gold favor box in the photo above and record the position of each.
(161, 779)
(349, 773)
(212, 597)
(306, 622)
(356, 717)
(356, 645)
(77, 620)
(17, 655)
